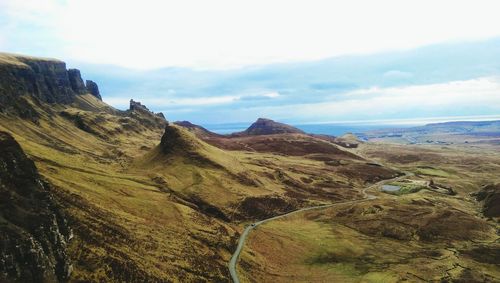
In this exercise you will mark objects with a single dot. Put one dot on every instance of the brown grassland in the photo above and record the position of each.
(429, 235)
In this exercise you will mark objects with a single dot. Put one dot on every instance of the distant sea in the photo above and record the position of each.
(339, 129)
(326, 129)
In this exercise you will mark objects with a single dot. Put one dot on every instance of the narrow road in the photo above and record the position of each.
(249, 228)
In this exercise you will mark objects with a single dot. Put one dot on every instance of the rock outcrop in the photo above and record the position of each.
(46, 80)
(489, 196)
(146, 117)
(172, 140)
(268, 127)
(34, 231)
(93, 89)
(76, 81)
(137, 107)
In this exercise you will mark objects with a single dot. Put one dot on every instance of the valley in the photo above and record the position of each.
(149, 200)
(424, 235)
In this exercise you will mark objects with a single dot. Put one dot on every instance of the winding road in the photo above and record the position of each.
(241, 242)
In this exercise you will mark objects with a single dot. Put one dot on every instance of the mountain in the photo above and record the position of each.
(268, 127)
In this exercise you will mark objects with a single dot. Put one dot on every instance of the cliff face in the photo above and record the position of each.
(76, 81)
(48, 80)
(34, 232)
(93, 89)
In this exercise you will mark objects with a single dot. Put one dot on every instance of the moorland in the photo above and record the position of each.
(91, 193)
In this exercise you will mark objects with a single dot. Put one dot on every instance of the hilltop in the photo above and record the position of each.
(268, 127)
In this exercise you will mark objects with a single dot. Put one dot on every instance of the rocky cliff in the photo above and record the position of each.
(47, 80)
(93, 89)
(33, 228)
(76, 81)
(489, 196)
(137, 107)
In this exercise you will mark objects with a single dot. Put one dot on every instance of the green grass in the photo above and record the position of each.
(405, 188)
(432, 172)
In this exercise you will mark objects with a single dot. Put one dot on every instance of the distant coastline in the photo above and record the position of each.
(325, 129)
(341, 128)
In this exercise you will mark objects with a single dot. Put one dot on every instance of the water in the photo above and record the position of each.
(325, 129)
(227, 128)
(338, 129)
(390, 188)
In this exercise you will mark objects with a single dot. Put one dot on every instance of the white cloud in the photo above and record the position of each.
(229, 33)
(271, 94)
(172, 101)
(474, 97)
(121, 102)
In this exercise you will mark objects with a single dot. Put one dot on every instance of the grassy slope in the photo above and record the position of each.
(126, 227)
(141, 215)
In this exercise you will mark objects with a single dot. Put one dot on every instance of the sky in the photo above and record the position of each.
(301, 61)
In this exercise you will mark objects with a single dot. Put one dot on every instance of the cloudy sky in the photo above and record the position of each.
(298, 61)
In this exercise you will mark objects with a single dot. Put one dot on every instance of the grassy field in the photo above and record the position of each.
(429, 171)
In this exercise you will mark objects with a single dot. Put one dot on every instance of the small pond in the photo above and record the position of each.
(390, 188)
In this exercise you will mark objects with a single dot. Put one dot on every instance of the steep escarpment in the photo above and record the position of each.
(93, 89)
(33, 228)
(46, 80)
(76, 81)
